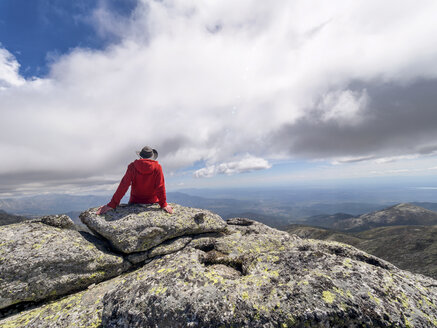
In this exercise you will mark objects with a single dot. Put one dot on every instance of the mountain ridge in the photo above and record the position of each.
(399, 214)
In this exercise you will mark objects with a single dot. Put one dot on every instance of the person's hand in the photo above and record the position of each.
(103, 209)
(168, 209)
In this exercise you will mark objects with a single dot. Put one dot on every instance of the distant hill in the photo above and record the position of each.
(401, 214)
(412, 248)
(6, 218)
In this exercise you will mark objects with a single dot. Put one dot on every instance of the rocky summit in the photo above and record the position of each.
(212, 273)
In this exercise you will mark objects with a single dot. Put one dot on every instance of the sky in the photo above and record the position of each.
(231, 93)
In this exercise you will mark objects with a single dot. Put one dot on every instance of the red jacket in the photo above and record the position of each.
(147, 184)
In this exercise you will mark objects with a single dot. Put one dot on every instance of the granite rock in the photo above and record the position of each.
(79, 310)
(138, 228)
(250, 279)
(59, 221)
(39, 261)
(247, 275)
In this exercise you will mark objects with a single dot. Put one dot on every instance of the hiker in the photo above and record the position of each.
(146, 179)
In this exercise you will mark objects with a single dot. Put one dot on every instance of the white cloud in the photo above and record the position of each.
(246, 164)
(395, 158)
(9, 66)
(343, 106)
(202, 79)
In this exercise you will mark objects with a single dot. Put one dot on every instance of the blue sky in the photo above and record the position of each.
(232, 94)
(38, 31)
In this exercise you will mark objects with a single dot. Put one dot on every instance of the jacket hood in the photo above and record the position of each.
(145, 166)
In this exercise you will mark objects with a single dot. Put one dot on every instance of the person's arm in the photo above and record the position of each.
(122, 188)
(160, 191)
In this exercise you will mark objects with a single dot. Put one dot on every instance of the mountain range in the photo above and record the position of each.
(275, 208)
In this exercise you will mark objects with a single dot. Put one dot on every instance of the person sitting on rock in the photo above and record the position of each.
(146, 179)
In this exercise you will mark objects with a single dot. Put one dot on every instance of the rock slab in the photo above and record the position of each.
(39, 261)
(138, 228)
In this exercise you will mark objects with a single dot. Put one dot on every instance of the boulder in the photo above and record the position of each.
(59, 221)
(39, 261)
(138, 228)
(255, 277)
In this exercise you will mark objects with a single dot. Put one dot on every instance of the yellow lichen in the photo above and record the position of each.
(339, 291)
(214, 277)
(36, 246)
(158, 290)
(347, 263)
(427, 301)
(374, 298)
(319, 274)
(407, 323)
(328, 297)
(404, 301)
